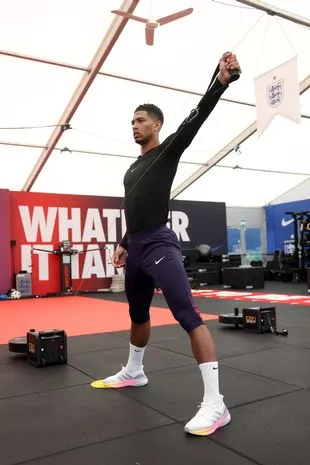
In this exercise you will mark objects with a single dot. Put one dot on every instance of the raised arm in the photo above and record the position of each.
(186, 132)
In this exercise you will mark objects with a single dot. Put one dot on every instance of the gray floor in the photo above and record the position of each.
(52, 416)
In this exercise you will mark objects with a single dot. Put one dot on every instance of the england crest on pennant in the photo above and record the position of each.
(275, 93)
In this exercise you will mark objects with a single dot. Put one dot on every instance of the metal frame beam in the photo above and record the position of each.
(275, 11)
(244, 135)
(87, 152)
(101, 55)
(116, 76)
(124, 78)
(45, 61)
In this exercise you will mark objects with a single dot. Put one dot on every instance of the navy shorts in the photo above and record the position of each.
(155, 258)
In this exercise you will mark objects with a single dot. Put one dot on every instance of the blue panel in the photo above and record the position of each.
(233, 236)
(253, 240)
(280, 227)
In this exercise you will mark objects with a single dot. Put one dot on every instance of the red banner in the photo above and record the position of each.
(94, 226)
(40, 222)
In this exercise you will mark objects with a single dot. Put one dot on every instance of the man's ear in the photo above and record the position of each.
(158, 125)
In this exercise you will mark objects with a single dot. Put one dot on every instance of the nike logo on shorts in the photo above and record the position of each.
(158, 261)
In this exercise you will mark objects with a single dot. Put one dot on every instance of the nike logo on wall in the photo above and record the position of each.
(158, 261)
(286, 222)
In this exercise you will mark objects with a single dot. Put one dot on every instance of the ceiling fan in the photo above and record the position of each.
(152, 24)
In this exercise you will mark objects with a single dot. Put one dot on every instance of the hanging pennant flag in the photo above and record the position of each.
(277, 93)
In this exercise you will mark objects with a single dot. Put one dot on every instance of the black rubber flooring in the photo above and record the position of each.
(51, 416)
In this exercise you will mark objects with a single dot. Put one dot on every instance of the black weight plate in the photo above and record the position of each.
(18, 345)
(230, 319)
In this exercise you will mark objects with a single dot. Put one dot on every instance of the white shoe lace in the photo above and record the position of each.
(209, 408)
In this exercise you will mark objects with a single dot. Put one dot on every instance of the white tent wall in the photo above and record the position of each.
(300, 192)
(254, 217)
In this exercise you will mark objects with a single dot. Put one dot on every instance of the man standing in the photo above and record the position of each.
(152, 252)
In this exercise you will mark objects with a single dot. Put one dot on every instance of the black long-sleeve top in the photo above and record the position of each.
(149, 179)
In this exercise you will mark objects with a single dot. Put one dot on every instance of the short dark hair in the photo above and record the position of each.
(152, 110)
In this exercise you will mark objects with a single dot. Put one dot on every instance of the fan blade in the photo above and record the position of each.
(129, 16)
(149, 36)
(175, 16)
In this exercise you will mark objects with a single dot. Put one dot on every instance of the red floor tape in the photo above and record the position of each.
(76, 315)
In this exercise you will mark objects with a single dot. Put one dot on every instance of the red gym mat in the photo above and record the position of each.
(76, 315)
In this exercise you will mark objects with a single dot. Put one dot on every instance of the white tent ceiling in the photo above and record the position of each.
(60, 40)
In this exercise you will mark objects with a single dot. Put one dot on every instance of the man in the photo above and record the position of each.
(152, 252)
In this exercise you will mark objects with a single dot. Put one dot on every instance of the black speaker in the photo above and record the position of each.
(46, 347)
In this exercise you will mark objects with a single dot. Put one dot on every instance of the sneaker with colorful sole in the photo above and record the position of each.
(121, 379)
(208, 419)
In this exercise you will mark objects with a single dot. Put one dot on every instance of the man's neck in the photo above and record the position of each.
(149, 146)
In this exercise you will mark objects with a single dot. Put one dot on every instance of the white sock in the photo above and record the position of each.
(210, 376)
(134, 363)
